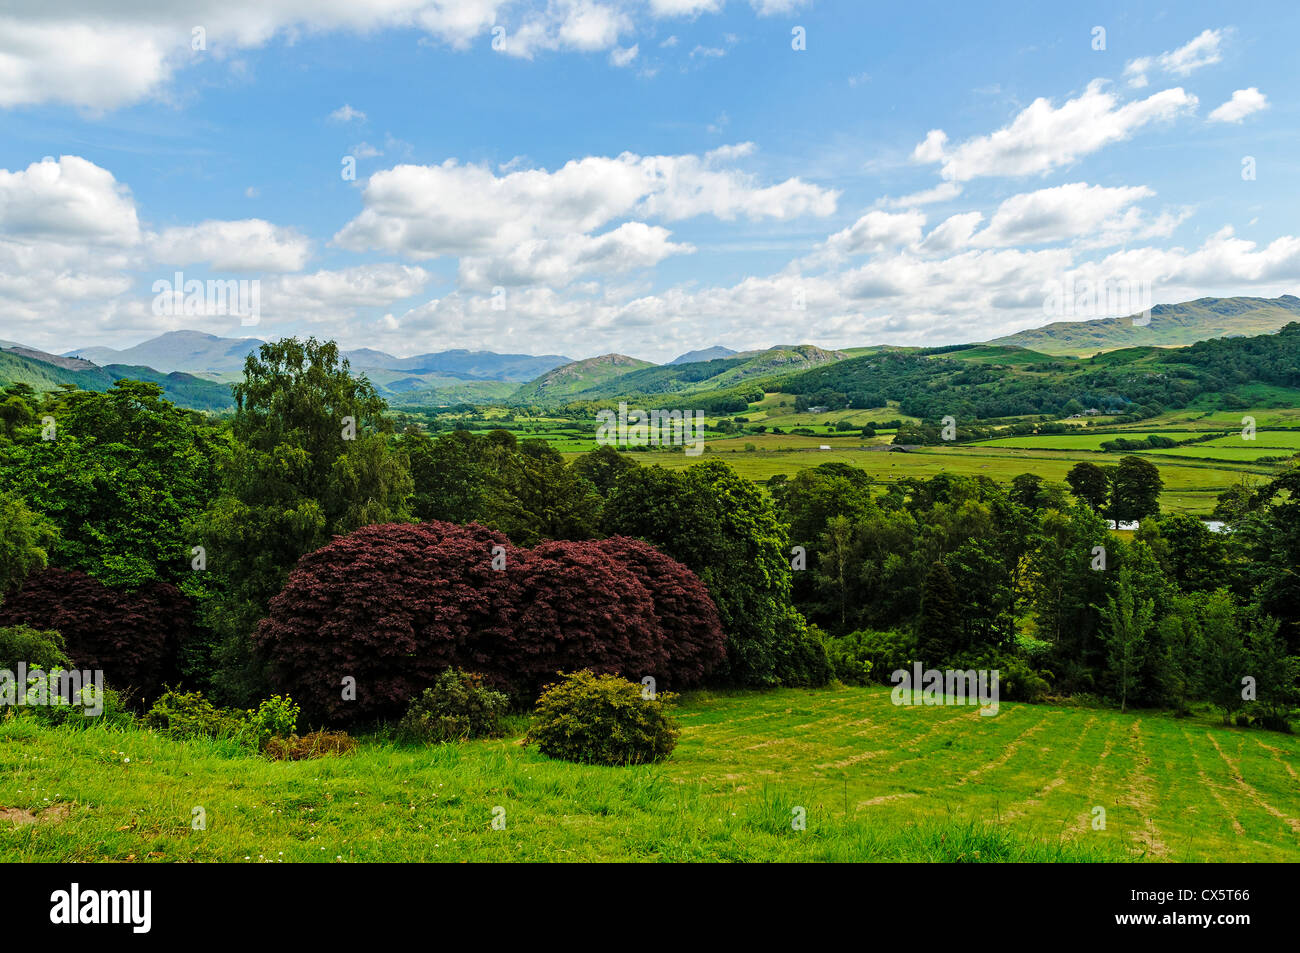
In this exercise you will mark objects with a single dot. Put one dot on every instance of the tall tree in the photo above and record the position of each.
(311, 460)
(1127, 620)
(1089, 483)
(939, 627)
(1136, 489)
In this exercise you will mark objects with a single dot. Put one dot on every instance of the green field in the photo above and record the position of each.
(875, 781)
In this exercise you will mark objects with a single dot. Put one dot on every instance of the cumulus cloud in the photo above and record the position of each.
(69, 199)
(1244, 102)
(1044, 137)
(246, 245)
(943, 192)
(529, 223)
(346, 113)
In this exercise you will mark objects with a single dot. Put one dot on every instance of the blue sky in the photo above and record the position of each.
(586, 176)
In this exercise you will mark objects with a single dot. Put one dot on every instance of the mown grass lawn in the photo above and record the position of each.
(874, 782)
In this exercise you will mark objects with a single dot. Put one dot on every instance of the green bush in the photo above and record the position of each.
(190, 715)
(602, 719)
(90, 706)
(457, 707)
(1018, 681)
(43, 650)
(275, 717)
(879, 653)
(848, 658)
(802, 660)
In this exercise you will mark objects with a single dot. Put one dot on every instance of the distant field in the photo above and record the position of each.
(1190, 487)
(873, 781)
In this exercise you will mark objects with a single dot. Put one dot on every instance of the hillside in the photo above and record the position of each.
(565, 381)
(1172, 325)
(715, 375)
(185, 390)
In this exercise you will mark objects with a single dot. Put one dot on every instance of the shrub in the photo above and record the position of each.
(394, 606)
(277, 716)
(61, 705)
(318, 744)
(21, 643)
(190, 715)
(132, 637)
(457, 707)
(848, 658)
(1018, 681)
(602, 719)
(883, 652)
(802, 659)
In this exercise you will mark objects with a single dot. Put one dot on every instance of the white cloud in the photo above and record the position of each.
(67, 200)
(346, 113)
(527, 219)
(943, 192)
(876, 231)
(328, 295)
(684, 8)
(1204, 50)
(1044, 137)
(558, 261)
(1057, 214)
(1244, 102)
(620, 56)
(246, 245)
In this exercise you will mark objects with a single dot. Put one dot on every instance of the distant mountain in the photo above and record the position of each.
(562, 382)
(706, 354)
(67, 363)
(466, 365)
(190, 351)
(198, 353)
(1171, 325)
(185, 390)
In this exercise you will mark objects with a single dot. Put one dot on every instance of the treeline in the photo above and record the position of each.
(964, 573)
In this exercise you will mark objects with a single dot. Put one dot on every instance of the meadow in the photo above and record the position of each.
(874, 782)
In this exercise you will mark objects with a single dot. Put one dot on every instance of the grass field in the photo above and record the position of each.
(875, 782)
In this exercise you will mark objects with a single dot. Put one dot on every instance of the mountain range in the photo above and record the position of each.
(196, 369)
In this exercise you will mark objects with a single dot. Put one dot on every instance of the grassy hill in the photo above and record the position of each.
(876, 782)
(711, 376)
(563, 382)
(186, 390)
(1171, 325)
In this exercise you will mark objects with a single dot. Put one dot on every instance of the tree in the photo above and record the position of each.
(940, 620)
(311, 460)
(390, 607)
(1127, 620)
(722, 527)
(25, 541)
(1135, 490)
(602, 467)
(1224, 661)
(1026, 490)
(125, 473)
(537, 496)
(134, 637)
(1089, 483)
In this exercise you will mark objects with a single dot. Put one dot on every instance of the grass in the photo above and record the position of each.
(875, 782)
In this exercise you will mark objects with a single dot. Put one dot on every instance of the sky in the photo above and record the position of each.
(646, 177)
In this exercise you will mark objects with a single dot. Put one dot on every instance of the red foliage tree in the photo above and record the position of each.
(133, 637)
(392, 606)
(685, 610)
